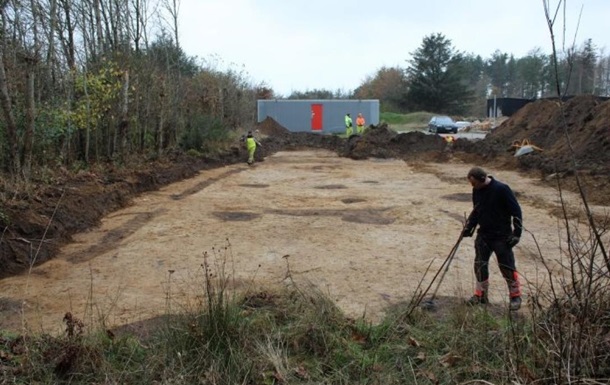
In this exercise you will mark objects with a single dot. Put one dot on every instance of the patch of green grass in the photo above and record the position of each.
(293, 335)
(415, 121)
(419, 118)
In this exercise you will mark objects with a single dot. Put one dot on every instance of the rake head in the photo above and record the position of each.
(428, 304)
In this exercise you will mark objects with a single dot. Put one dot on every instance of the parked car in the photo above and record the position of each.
(442, 125)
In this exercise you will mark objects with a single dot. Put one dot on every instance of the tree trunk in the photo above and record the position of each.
(88, 120)
(124, 122)
(7, 110)
(68, 41)
(50, 64)
(137, 17)
(30, 99)
(161, 122)
(30, 121)
(98, 27)
(172, 7)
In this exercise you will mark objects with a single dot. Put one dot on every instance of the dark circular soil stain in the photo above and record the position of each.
(352, 200)
(458, 197)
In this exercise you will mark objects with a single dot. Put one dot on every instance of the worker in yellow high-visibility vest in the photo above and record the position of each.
(251, 144)
(349, 130)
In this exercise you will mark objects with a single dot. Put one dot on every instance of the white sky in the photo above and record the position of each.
(300, 45)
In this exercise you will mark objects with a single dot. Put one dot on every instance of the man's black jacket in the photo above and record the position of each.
(494, 206)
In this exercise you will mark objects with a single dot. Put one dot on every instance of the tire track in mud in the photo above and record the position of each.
(115, 236)
(203, 184)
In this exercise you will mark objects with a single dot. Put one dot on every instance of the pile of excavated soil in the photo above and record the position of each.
(585, 149)
(381, 142)
(270, 126)
(586, 121)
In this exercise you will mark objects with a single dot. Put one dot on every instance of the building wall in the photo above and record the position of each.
(296, 115)
(505, 106)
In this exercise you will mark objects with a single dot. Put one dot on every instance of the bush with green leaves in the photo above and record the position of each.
(204, 134)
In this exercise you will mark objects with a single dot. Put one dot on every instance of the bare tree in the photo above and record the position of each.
(173, 7)
(66, 33)
(602, 75)
(124, 121)
(30, 114)
(5, 101)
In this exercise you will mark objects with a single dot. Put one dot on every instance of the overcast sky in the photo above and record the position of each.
(300, 45)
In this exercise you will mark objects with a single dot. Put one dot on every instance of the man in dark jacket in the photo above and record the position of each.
(495, 207)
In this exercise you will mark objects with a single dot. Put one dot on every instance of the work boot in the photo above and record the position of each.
(515, 304)
(477, 300)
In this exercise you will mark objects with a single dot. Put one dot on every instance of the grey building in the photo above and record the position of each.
(325, 116)
(505, 106)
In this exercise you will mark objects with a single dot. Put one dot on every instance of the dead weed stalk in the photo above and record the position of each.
(571, 322)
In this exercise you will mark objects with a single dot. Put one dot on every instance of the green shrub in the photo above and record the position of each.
(204, 134)
(414, 118)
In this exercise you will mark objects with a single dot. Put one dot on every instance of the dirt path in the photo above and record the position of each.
(362, 231)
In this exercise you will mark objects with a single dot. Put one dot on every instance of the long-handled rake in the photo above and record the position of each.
(429, 304)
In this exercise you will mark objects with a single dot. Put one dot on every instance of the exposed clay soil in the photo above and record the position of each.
(360, 218)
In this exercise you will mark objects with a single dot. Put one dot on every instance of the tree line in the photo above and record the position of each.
(438, 78)
(85, 81)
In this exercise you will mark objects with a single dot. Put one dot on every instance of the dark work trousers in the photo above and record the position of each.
(506, 260)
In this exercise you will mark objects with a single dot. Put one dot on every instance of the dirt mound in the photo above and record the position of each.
(416, 143)
(301, 140)
(381, 142)
(544, 123)
(271, 127)
(377, 142)
(585, 119)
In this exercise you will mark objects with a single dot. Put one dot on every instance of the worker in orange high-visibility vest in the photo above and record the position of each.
(360, 124)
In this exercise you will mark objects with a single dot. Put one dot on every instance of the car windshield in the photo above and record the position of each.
(444, 120)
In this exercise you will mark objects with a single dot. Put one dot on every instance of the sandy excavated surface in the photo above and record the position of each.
(364, 232)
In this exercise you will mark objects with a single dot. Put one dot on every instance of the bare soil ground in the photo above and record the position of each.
(364, 232)
(361, 219)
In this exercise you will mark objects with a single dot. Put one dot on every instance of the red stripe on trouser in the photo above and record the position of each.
(514, 287)
(481, 287)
